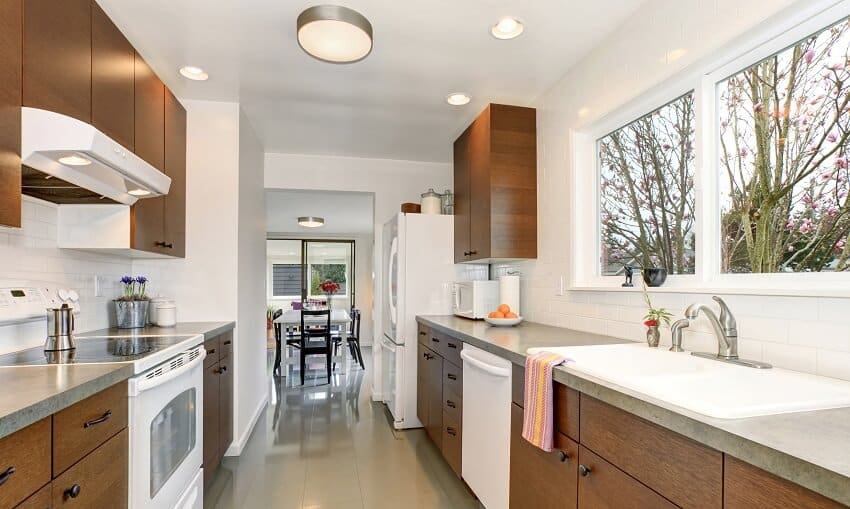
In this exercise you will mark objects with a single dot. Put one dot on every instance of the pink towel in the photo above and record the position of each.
(537, 425)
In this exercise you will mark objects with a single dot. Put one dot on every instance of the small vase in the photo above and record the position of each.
(131, 314)
(652, 336)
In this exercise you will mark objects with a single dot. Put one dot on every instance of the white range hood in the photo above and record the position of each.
(78, 153)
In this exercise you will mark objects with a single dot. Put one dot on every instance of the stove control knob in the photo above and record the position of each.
(63, 294)
(73, 295)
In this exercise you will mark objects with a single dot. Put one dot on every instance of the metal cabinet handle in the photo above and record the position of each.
(99, 420)
(73, 491)
(220, 370)
(583, 470)
(6, 475)
(450, 404)
(451, 431)
(473, 253)
(428, 356)
(451, 376)
(423, 333)
(210, 351)
(170, 245)
(563, 455)
(452, 345)
(435, 340)
(228, 342)
(159, 244)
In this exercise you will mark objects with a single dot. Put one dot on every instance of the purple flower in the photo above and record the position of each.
(127, 280)
(141, 280)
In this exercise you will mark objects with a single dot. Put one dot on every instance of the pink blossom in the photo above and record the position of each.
(826, 176)
(809, 56)
(790, 224)
(744, 152)
(806, 226)
(666, 146)
(841, 162)
(839, 246)
(831, 211)
(758, 107)
(807, 198)
(831, 137)
(790, 248)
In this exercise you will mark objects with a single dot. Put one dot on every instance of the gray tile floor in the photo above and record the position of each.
(329, 446)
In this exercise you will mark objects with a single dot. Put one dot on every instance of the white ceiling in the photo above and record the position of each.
(344, 213)
(390, 105)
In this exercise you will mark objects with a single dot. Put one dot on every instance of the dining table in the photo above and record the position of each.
(339, 317)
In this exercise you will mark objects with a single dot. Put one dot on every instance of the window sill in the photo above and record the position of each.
(719, 290)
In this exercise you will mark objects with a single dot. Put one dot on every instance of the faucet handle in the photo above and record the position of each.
(727, 319)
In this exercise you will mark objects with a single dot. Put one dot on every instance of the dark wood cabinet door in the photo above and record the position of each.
(746, 486)
(422, 384)
(479, 187)
(225, 404)
(57, 56)
(211, 420)
(101, 478)
(28, 452)
(41, 499)
(11, 40)
(451, 443)
(462, 197)
(147, 225)
(112, 79)
(542, 479)
(435, 400)
(601, 485)
(175, 167)
(150, 114)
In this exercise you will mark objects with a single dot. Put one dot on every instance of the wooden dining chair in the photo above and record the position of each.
(315, 339)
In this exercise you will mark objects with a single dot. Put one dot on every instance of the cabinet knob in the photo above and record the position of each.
(563, 456)
(583, 470)
(73, 491)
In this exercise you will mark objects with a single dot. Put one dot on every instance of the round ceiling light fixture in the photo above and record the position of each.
(335, 34)
(458, 98)
(311, 221)
(194, 73)
(507, 28)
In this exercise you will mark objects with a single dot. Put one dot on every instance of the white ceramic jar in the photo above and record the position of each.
(166, 315)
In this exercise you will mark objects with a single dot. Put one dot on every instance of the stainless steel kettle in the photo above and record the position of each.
(60, 329)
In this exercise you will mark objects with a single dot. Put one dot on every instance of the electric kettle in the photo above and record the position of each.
(60, 329)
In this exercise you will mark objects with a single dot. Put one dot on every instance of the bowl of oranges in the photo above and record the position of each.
(503, 317)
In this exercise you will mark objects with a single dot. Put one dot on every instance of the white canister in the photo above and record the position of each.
(509, 292)
(156, 301)
(431, 202)
(166, 315)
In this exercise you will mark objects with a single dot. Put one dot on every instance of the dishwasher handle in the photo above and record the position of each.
(484, 366)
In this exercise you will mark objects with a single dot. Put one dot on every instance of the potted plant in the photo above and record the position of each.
(270, 321)
(131, 309)
(329, 288)
(653, 319)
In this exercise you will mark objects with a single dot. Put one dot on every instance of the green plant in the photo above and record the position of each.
(270, 312)
(654, 316)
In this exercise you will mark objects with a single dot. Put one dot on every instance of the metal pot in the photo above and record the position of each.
(131, 314)
(60, 329)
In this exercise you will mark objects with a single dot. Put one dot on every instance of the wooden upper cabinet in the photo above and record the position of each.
(175, 167)
(57, 67)
(112, 81)
(496, 186)
(11, 39)
(150, 114)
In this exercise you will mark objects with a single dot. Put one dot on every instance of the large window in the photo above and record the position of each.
(647, 191)
(321, 272)
(784, 126)
(286, 280)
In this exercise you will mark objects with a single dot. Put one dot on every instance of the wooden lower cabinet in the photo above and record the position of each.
(543, 480)
(98, 480)
(41, 499)
(25, 467)
(218, 402)
(601, 485)
(747, 486)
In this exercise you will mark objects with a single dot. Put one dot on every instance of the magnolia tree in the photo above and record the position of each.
(784, 159)
(646, 191)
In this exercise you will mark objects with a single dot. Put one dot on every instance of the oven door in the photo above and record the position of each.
(166, 432)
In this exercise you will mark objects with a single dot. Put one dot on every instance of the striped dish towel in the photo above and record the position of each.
(537, 424)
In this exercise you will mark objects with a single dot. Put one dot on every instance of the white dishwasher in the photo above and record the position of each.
(486, 426)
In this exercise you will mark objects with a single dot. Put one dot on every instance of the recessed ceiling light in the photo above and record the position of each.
(458, 98)
(139, 192)
(507, 28)
(194, 73)
(311, 222)
(334, 34)
(75, 160)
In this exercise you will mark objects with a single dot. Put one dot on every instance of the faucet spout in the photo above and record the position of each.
(725, 327)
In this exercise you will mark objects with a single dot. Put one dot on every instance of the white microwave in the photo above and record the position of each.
(475, 299)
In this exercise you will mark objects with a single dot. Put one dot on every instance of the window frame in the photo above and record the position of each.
(768, 38)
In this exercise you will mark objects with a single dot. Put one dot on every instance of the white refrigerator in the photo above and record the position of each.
(418, 271)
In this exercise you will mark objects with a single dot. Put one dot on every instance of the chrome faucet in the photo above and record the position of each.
(725, 327)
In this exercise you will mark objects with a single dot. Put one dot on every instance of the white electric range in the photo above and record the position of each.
(165, 394)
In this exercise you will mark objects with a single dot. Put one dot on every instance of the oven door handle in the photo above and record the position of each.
(141, 383)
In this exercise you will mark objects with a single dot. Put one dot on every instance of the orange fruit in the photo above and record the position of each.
(496, 314)
(504, 309)
(511, 315)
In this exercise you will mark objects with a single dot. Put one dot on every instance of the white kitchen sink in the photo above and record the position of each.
(705, 386)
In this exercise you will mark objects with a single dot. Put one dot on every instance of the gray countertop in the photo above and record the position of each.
(808, 448)
(31, 393)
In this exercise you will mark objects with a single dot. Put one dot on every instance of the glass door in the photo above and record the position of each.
(325, 262)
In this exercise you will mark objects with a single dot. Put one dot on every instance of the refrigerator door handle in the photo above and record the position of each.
(390, 277)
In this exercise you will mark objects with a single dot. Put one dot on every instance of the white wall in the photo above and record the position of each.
(808, 334)
(392, 182)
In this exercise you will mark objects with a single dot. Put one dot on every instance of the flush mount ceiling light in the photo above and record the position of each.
(507, 28)
(458, 98)
(311, 222)
(139, 192)
(75, 160)
(335, 34)
(194, 73)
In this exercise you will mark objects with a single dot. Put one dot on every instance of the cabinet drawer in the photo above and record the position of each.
(226, 344)
(683, 471)
(213, 348)
(99, 480)
(748, 486)
(451, 446)
(437, 342)
(565, 401)
(452, 404)
(24, 462)
(543, 480)
(423, 335)
(82, 427)
(604, 485)
(452, 378)
(38, 500)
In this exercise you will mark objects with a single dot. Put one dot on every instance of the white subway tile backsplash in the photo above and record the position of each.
(825, 335)
(794, 357)
(834, 364)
